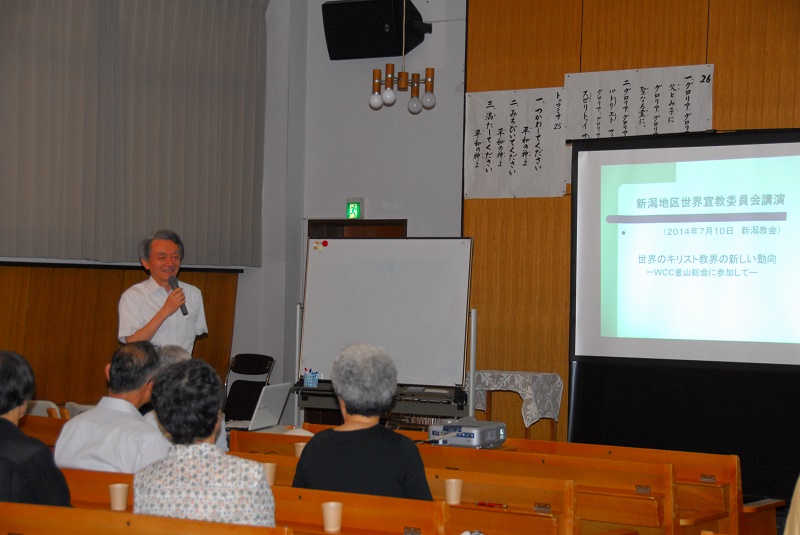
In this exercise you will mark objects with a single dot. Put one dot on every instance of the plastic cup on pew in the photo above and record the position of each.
(452, 491)
(269, 471)
(332, 517)
(298, 448)
(119, 496)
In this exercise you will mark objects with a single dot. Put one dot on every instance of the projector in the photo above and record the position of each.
(468, 433)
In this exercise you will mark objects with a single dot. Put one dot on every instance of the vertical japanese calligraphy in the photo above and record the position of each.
(639, 102)
(514, 144)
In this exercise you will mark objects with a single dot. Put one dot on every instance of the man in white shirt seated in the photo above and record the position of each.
(114, 436)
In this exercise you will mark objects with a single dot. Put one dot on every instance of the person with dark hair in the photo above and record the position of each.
(149, 310)
(114, 436)
(169, 355)
(196, 480)
(27, 471)
(361, 455)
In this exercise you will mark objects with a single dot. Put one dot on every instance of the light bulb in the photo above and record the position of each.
(428, 101)
(414, 105)
(375, 101)
(388, 96)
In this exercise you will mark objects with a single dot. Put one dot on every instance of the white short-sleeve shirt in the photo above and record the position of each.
(112, 437)
(142, 301)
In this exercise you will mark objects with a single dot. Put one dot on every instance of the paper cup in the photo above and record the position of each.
(269, 471)
(452, 491)
(298, 448)
(119, 496)
(332, 517)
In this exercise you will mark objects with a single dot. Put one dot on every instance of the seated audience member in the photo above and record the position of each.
(361, 455)
(167, 356)
(114, 436)
(196, 480)
(27, 471)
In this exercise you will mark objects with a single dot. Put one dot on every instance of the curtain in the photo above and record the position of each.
(122, 117)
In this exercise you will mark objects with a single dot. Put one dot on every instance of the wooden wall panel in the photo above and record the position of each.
(70, 336)
(519, 44)
(14, 285)
(755, 47)
(219, 297)
(520, 281)
(520, 288)
(641, 34)
(523, 298)
(64, 321)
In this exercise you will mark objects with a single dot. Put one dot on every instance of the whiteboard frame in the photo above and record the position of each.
(421, 283)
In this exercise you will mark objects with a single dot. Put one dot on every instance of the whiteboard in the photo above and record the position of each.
(410, 296)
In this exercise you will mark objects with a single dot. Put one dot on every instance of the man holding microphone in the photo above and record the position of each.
(160, 309)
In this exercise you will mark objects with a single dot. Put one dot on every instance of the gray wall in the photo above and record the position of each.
(324, 144)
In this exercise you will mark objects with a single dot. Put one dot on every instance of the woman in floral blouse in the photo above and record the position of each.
(197, 480)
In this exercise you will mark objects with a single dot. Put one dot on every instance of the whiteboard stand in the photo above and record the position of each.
(473, 337)
(297, 335)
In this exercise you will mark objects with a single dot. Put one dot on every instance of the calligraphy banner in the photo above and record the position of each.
(639, 102)
(515, 144)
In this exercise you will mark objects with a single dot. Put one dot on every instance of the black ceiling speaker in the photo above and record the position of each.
(357, 29)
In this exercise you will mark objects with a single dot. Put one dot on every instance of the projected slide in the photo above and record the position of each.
(701, 250)
(688, 248)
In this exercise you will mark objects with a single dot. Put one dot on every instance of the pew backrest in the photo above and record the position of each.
(286, 464)
(301, 509)
(619, 492)
(254, 442)
(44, 519)
(88, 489)
(705, 481)
(43, 428)
(503, 501)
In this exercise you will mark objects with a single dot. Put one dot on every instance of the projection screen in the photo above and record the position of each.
(687, 247)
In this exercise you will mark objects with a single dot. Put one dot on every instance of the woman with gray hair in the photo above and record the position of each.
(361, 455)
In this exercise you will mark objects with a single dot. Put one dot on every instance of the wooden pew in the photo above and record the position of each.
(544, 504)
(759, 517)
(41, 427)
(608, 494)
(45, 520)
(287, 464)
(708, 484)
(555, 498)
(507, 504)
(88, 489)
(301, 510)
(253, 442)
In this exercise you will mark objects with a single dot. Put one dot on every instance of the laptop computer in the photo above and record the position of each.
(268, 410)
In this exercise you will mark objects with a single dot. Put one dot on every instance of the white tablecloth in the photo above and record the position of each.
(540, 392)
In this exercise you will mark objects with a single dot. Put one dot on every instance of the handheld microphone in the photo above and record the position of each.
(173, 283)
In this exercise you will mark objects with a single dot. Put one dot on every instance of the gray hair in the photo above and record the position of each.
(166, 234)
(365, 379)
(172, 354)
